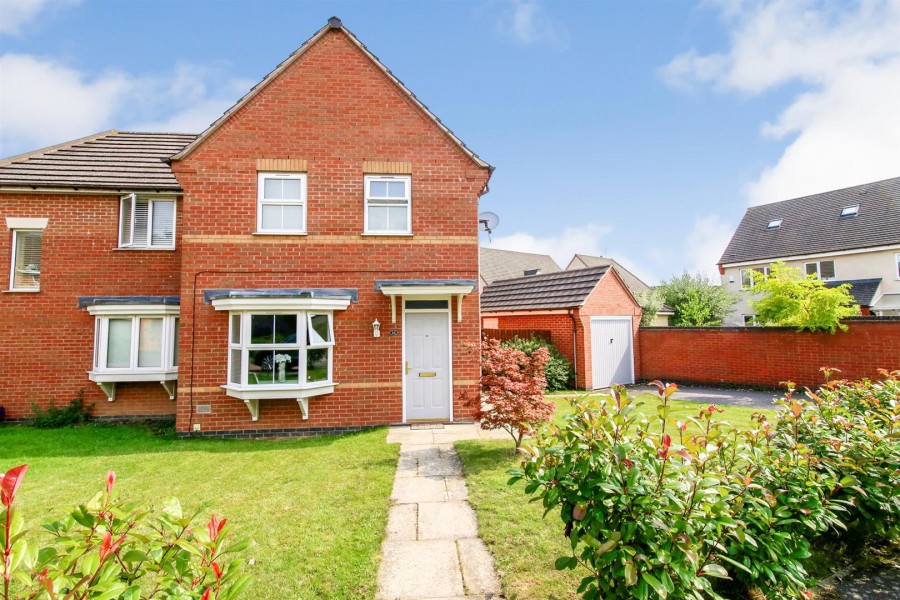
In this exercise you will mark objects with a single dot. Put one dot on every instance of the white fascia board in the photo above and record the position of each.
(265, 304)
(133, 309)
(766, 261)
(26, 223)
(426, 290)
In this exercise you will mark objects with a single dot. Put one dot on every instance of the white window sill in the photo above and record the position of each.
(160, 249)
(280, 233)
(273, 392)
(385, 234)
(21, 291)
(133, 375)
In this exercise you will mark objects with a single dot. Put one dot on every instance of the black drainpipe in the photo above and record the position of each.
(574, 346)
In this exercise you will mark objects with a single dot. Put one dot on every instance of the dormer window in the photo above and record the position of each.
(850, 211)
(530, 272)
(774, 224)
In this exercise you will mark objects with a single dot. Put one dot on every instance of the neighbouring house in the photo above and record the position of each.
(508, 264)
(592, 315)
(307, 264)
(849, 236)
(635, 285)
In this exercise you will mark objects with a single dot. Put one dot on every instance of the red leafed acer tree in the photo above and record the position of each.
(512, 390)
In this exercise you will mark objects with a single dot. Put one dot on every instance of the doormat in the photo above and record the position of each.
(418, 426)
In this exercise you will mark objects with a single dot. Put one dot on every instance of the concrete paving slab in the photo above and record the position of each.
(419, 569)
(479, 576)
(446, 466)
(403, 522)
(412, 490)
(446, 521)
(456, 488)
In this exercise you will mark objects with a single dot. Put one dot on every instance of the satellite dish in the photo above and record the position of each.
(488, 221)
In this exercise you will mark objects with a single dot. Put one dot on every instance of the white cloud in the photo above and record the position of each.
(17, 14)
(528, 22)
(704, 245)
(46, 102)
(846, 62)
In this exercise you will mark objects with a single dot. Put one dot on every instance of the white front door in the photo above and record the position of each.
(612, 357)
(427, 366)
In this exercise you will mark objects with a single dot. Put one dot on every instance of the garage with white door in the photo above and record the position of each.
(612, 351)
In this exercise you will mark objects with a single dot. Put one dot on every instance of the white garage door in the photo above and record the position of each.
(612, 355)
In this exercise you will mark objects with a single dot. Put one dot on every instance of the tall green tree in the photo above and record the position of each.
(698, 301)
(792, 299)
(651, 301)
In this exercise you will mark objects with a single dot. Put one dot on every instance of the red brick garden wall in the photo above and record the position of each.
(767, 356)
(46, 342)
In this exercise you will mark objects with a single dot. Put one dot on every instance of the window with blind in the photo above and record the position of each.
(147, 223)
(136, 343)
(388, 205)
(26, 262)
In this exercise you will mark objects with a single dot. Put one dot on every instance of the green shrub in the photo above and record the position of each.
(559, 370)
(74, 413)
(664, 508)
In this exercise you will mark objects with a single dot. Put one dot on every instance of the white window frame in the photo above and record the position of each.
(12, 267)
(367, 202)
(819, 270)
(261, 201)
(151, 201)
(133, 372)
(765, 273)
(748, 320)
(897, 266)
(245, 346)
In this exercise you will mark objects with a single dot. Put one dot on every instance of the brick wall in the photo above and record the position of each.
(46, 342)
(335, 110)
(766, 356)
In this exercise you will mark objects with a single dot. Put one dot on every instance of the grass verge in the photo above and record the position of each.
(315, 509)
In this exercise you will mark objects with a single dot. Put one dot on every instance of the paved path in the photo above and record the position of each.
(432, 549)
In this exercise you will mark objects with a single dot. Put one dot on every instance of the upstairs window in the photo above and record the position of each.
(146, 223)
(388, 204)
(749, 275)
(824, 270)
(26, 260)
(281, 203)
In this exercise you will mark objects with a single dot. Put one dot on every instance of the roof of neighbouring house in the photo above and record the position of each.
(813, 224)
(507, 264)
(565, 289)
(862, 290)
(111, 160)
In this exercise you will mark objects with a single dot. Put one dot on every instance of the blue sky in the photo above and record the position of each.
(636, 130)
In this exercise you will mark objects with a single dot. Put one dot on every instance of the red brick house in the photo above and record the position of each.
(309, 263)
(592, 317)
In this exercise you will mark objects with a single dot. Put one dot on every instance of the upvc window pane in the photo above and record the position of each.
(397, 218)
(163, 233)
(234, 375)
(317, 364)
(150, 342)
(262, 329)
(175, 332)
(812, 269)
(118, 344)
(271, 216)
(826, 269)
(292, 217)
(396, 189)
(266, 367)
(745, 278)
(272, 189)
(378, 218)
(319, 329)
(141, 222)
(378, 189)
(27, 268)
(235, 329)
(291, 189)
(285, 329)
(125, 221)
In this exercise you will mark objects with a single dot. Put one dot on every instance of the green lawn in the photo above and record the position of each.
(315, 509)
(523, 543)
